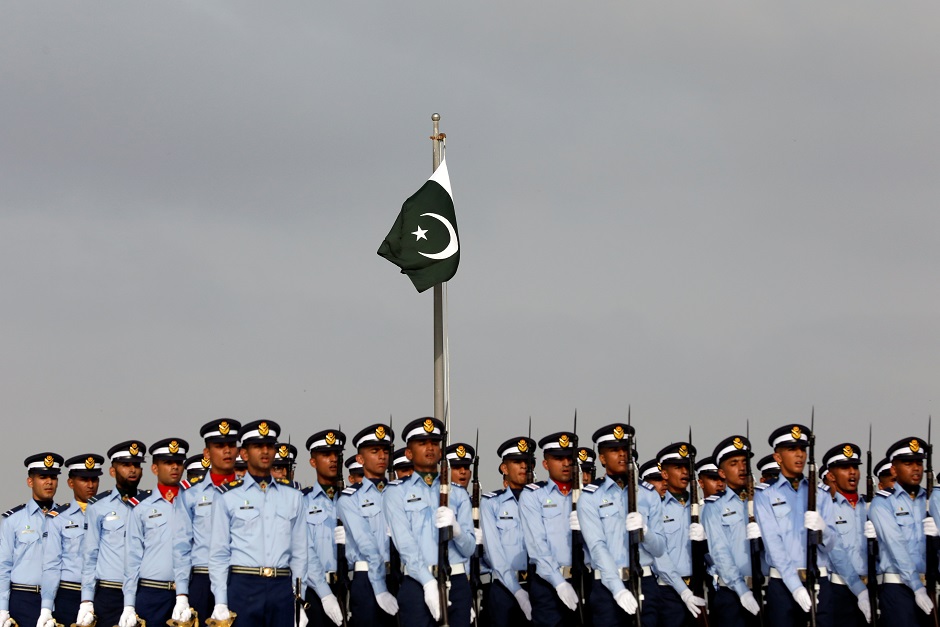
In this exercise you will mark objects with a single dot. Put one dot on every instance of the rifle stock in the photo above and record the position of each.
(756, 545)
(342, 566)
(633, 537)
(699, 547)
(872, 544)
(812, 537)
(476, 583)
(933, 543)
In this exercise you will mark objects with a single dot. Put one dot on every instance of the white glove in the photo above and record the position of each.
(870, 532)
(813, 521)
(753, 531)
(86, 614)
(626, 601)
(692, 603)
(923, 600)
(387, 602)
(478, 534)
(5, 620)
(182, 611)
(568, 596)
(339, 534)
(697, 532)
(930, 527)
(45, 618)
(331, 609)
(220, 612)
(303, 621)
(473, 615)
(864, 604)
(128, 617)
(573, 523)
(430, 596)
(522, 598)
(445, 517)
(749, 603)
(635, 521)
(801, 596)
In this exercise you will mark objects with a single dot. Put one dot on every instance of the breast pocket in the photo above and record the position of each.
(612, 518)
(154, 527)
(782, 515)
(113, 528)
(315, 518)
(72, 537)
(671, 526)
(509, 531)
(245, 520)
(27, 536)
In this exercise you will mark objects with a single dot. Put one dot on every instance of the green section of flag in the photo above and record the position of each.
(423, 242)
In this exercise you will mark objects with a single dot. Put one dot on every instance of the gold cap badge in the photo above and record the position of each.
(915, 446)
(90, 463)
(563, 441)
(683, 451)
(461, 451)
(205, 462)
(263, 429)
(330, 438)
(618, 432)
(174, 447)
(848, 451)
(224, 427)
(737, 443)
(795, 432)
(133, 449)
(428, 425)
(523, 446)
(380, 433)
(48, 461)
(582, 455)
(283, 451)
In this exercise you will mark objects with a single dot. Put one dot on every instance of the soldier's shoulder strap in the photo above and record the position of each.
(141, 495)
(884, 493)
(13, 510)
(648, 486)
(288, 483)
(99, 496)
(225, 487)
(762, 486)
(354, 488)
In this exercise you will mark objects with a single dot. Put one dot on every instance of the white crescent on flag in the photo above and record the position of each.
(452, 246)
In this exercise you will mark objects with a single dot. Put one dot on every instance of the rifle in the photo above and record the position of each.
(476, 583)
(872, 543)
(757, 545)
(634, 537)
(699, 547)
(530, 478)
(394, 557)
(443, 538)
(932, 542)
(812, 537)
(342, 566)
(578, 571)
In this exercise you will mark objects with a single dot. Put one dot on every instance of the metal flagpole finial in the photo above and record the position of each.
(435, 117)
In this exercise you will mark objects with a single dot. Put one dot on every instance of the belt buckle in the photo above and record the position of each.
(267, 571)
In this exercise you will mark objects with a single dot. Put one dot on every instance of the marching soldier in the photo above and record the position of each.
(781, 511)
(354, 468)
(259, 538)
(320, 505)
(149, 584)
(360, 507)
(196, 467)
(545, 508)
(602, 510)
(402, 465)
(61, 587)
(898, 519)
(285, 461)
(413, 513)
(675, 601)
(850, 513)
(106, 520)
(651, 473)
(586, 461)
(503, 539)
(21, 542)
(768, 468)
(193, 521)
(708, 478)
(241, 467)
(885, 475)
(725, 519)
(460, 457)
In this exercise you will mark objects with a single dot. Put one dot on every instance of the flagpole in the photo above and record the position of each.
(439, 405)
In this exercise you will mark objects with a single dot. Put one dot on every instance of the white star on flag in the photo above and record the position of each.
(420, 234)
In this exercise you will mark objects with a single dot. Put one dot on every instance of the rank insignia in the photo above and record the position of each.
(224, 427)
(263, 429)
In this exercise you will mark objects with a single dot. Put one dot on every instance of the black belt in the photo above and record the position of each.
(70, 585)
(332, 577)
(261, 571)
(113, 585)
(19, 587)
(159, 585)
(200, 570)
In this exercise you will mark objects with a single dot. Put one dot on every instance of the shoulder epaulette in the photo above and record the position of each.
(395, 482)
(489, 495)
(713, 497)
(289, 484)
(307, 490)
(762, 486)
(98, 497)
(63, 508)
(824, 487)
(648, 486)
(599, 481)
(534, 486)
(351, 489)
(297, 485)
(13, 510)
(225, 487)
(593, 486)
(884, 493)
(141, 495)
(185, 485)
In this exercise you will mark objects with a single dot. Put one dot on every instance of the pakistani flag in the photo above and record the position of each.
(423, 241)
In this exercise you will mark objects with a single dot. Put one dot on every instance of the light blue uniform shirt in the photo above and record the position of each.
(850, 523)
(21, 548)
(106, 519)
(192, 528)
(779, 510)
(360, 508)
(676, 562)
(546, 530)
(899, 523)
(321, 550)
(62, 551)
(256, 528)
(503, 538)
(602, 513)
(724, 517)
(410, 504)
(148, 546)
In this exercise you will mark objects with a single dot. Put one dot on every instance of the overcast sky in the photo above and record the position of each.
(713, 212)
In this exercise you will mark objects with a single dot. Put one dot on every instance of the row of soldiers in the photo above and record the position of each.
(676, 541)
